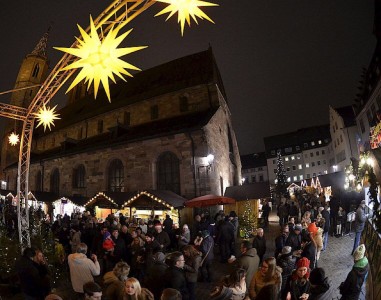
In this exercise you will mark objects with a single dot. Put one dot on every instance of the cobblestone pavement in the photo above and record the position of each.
(336, 261)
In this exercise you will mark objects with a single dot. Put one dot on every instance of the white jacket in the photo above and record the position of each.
(82, 270)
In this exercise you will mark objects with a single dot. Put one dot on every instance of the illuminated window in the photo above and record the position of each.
(312, 143)
(295, 178)
(300, 177)
(319, 142)
(286, 158)
(289, 179)
(307, 165)
(292, 157)
(300, 167)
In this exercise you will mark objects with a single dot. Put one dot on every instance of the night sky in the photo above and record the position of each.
(282, 61)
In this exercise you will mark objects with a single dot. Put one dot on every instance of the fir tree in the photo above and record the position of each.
(248, 221)
(281, 184)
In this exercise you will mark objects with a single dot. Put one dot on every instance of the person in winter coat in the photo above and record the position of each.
(155, 274)
(162, 237)
(298, 285)
(309, 250)
(319, 284)
(192, 264)
(75, 238)
(184, 237)
(327, 223)
(29, 275)
(225, 239)
(350, 289)
(174, 276)
(360, 219)
(236, 283)
(294, 239)
(114, 280)
(286, 261)
(280, 240)
(207, 250)
(249, 261)
(133, 291)
(259, 243)
(82, 269)
(316, 235)
(269, 273)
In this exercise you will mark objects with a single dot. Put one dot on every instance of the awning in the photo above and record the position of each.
(209, 200)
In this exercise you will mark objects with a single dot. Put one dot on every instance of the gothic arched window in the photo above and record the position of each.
(36, 70)
(168, 172)
(79, 177)
(39, 181)
(116, 176)
(55, 182)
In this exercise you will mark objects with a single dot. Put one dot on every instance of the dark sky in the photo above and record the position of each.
(282, 61)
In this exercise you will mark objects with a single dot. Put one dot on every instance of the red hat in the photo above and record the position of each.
(303, 262)
(312, 228)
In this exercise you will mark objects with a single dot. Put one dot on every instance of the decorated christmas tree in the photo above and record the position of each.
(247, 221)
(281, 178)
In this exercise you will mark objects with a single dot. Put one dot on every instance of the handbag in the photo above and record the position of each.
(206, 255)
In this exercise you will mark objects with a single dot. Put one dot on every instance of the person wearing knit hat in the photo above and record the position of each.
(351, 287)
(298, 286)
(312, 229)
(286, 261)
(319, 283)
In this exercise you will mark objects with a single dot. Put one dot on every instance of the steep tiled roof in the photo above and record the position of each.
(253, 160)
(348, 115)
(249, 191)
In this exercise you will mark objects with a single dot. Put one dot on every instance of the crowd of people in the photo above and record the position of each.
(156, 260)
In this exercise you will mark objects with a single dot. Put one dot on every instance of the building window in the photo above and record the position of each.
(288, 169)
(295, 178)
(308, 176)
(297, 148)
(293, 168)
(253, 179)
(298, 157)
(312, 143)
(300, 177)
(318, 162)
(260, 178)
(292, 157)
(79, 177)
(115, 176)
(100, 126)
(322, 152)
(55, 182)
(168, 172)
(36, 70)
(314, 175)
(313, 164)
(154, 112)
(183, 102)
(286, 158)
(307, 165)
(317, 153)
(272, 152)
(305, 145)
(288, 150)
(319, 173)
(300, 167)
(39, 181)
(260, 169)
(289, 179)
(127, 118)
(305, 155)
(312, 154)
(319, 142)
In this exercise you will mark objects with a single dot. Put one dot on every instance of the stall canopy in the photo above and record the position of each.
(255, 190)
(209, 200)
(156, 200)
(147, 199)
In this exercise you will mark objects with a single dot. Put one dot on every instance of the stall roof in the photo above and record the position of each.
(124, 199)
(255, 190)
(45, 196)
(335, 180)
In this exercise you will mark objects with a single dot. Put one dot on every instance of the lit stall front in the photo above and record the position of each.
(64, 206)
(150, 204)
(105, 203)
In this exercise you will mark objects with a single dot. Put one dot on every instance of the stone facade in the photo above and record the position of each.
(89, 134)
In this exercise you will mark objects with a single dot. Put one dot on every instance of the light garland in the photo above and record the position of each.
(153, 197)
(101, 194)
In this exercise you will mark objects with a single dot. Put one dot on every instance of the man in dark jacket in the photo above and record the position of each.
(155, 274)
(174, 276)
(259, 243)
(162, 237)
(225, 239)
(309, 250)
(326, 215)
(30, 279)
(206, 248)
(294, 239)
(249, 261)
(280, 240)
(351, 287)
(360, 219)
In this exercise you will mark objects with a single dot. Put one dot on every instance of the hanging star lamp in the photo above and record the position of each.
(13, 139)
(100, 59)
(46, 116)
(186, 9)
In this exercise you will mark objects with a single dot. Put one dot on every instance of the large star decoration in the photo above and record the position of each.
(99, 59)
(46, 116)
(13, 139)
(185, 10)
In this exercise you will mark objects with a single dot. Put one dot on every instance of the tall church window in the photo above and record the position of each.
(79, 177)
(36, 70)
(116, 176)
(168, 172)
(55, 182)
(39, 181)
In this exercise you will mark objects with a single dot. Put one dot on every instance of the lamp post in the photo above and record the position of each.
(115, 17)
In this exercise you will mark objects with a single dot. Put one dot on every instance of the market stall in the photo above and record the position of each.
(64, 206)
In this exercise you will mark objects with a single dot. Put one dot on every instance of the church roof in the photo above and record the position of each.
(348, 115)
(40, 49)
(192, 70)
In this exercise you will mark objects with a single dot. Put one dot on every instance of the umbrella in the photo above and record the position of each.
(209, 200)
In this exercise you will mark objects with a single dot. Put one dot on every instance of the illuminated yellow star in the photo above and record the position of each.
(100, 60)
(13, 139)
(46, 116)
(185, 9)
